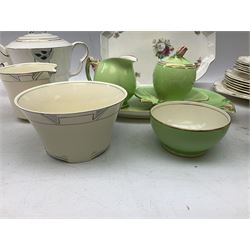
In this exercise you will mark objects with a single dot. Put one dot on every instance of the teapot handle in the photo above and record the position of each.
(4, 56)
(90, 62)
(82, 59)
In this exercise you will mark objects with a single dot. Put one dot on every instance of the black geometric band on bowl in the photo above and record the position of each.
(70, 119)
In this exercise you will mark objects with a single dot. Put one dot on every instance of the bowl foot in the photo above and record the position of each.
(65, 159)
(183, 154)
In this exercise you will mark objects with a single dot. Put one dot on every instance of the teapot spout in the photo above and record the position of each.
(129, 58)
(4, 56)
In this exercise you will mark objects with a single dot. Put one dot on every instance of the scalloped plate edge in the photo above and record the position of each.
(219, 87)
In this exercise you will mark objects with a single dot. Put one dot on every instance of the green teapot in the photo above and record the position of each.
(118, 71)
(174, 76)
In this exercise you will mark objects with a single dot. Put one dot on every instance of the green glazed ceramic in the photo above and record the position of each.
(218, 101)
(188, 129)
(136, 109)
(147, 94)
(118, 71)
(173, 76)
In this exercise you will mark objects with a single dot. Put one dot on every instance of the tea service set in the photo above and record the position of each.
(74, 119)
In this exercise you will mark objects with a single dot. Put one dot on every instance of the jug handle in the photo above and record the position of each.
(90, 62)
(79, 69)
(4, 54)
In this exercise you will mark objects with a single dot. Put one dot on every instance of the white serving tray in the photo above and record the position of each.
(201, 45)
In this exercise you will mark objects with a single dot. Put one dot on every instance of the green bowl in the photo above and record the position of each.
(187, 128)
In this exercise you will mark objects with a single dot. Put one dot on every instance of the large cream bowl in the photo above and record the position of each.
(73, 119)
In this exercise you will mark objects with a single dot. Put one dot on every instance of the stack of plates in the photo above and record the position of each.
(237, 80)
(242, 65)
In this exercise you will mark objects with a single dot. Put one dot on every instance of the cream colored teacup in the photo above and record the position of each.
(19, 77)
(73, 119)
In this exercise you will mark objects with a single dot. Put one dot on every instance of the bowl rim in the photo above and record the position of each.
(167, 103)
(41, 67)
(16, 100)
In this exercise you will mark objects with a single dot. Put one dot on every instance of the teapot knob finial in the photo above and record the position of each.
(181, 52)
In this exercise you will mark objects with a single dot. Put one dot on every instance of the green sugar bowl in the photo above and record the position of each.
(174, 76)
(187, 128)
(118, 71)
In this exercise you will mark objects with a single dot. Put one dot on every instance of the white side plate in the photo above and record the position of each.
(145, 44)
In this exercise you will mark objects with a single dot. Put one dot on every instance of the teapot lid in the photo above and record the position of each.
(38, 40)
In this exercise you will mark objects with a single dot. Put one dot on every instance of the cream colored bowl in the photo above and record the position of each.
(19, 77)
(73, 119)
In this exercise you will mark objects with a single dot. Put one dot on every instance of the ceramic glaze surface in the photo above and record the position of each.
(244, 60)
(27, 68)
(118, 71)
(236, 81)
(73, 119)
(189, 129)
(150, 46)
(19, 77)
(71, 98)
(173, 84)
(44, 48)
(173, 77)
(37, 40)
(194, 118)
(220, 88)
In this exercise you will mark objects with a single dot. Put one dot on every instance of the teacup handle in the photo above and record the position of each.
(90, 62)
(82, 59)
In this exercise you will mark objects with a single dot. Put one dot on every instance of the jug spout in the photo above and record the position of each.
(4, 56)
